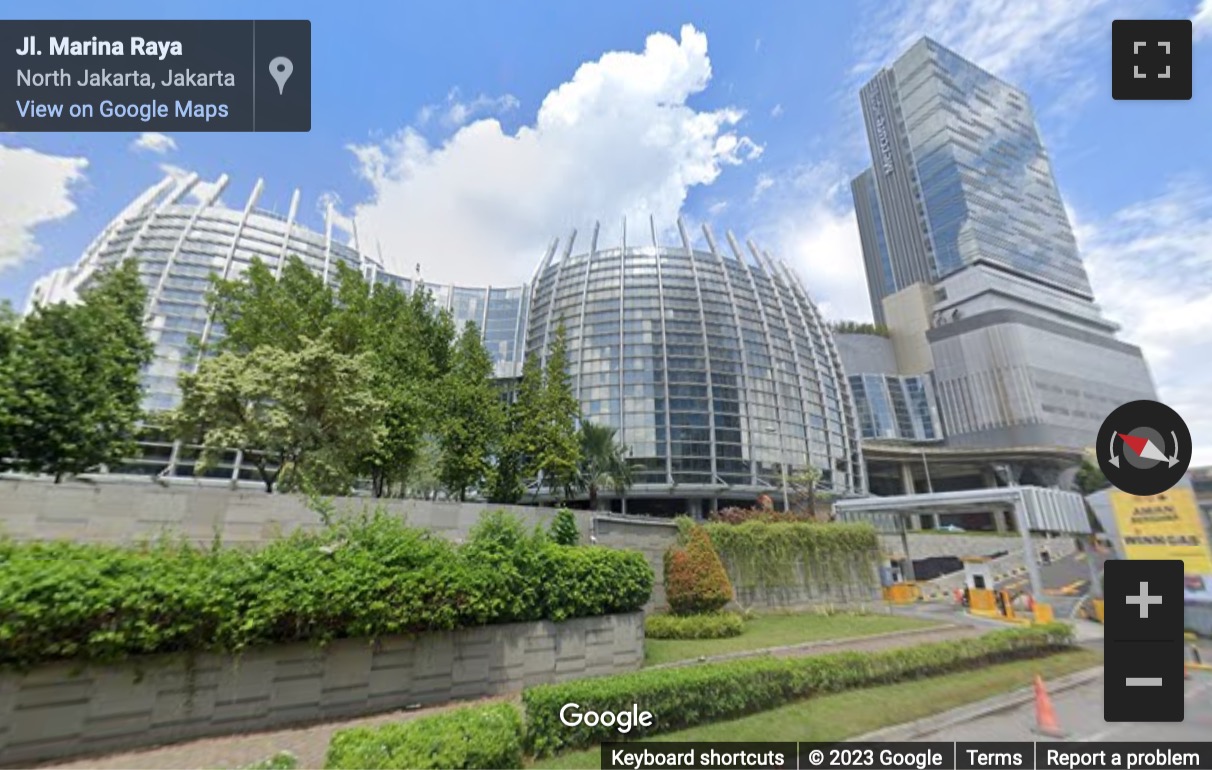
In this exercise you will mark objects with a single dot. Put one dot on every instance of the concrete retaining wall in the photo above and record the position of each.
(132, 511)
(651, 537)
(57, 711)
(853, 584)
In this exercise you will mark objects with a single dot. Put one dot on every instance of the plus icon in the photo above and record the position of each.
(1151, 59)
(1144, 600)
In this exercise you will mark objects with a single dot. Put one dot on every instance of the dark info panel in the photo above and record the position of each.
(136, 76)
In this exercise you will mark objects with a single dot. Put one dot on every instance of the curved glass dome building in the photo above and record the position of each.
(712, 363)
(181, 233)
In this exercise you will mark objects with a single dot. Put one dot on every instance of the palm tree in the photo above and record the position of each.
(806, 480)
(603, 461)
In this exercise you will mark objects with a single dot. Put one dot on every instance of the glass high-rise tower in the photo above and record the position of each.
(972, 262)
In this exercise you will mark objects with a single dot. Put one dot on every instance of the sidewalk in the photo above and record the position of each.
(1078, 703)
(871, 643)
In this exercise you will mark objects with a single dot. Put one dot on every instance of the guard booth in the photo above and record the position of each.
(896, 589)
(982, 595)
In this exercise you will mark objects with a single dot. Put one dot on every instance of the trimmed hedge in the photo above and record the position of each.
(369, 576)
(464, 739)
(685, 697)
(715, 625)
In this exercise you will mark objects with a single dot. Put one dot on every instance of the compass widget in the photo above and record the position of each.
(1144, 448)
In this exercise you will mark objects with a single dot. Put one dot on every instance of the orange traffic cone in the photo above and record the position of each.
(1045, 715)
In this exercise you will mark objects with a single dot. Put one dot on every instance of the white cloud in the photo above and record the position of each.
(815, 233)
(1151, 266)
(617, 139)
(152, 141)
(757, 45)
(764, 182)
(776, 111)
(1201, 23)
(717, 208)
(1013, 39)
(455, 112)
(340, 220)
(34, 189)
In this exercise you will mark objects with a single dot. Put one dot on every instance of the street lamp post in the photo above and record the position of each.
(782, 464)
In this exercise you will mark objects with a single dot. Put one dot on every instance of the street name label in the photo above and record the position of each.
(91, 76)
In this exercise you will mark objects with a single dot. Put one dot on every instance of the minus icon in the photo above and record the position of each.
(1143, 681)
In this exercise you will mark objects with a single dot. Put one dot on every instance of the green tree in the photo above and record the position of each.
(564, 528)
(8, 329)
(1090, 478)
(603, 462)
(519, 456)
(805, 482)
(303, 417)
(405, 336)
(471, 416)
(262, 310)
(860, 327)
(505, 482)
(73, 375)
(560, 457)
(422, 477)
(396, 330)
(8, 337)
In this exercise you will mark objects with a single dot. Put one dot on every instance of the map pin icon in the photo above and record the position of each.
(280, 68)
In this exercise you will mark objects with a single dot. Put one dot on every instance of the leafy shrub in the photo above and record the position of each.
(765, 555)
(476, 737)
(765, 515)
(695, 580)
(369, 576)
(283, 760)
(715, 625)
(694, 695)
(564, 528)
(586, 582)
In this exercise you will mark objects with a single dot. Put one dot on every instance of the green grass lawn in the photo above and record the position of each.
(778, 630)
(848, 714)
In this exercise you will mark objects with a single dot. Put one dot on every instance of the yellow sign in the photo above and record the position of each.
(1164, 526)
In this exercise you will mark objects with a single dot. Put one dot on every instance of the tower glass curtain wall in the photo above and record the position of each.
(876, 259)
(714, 366)
(961, 176)
(893, 407)
(966, 203)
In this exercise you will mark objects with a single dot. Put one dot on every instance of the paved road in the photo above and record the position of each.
(1080, 713)
(1060, 573)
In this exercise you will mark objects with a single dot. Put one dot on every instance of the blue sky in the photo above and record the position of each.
(464, 135)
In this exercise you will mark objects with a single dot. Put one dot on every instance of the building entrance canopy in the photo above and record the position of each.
(1040, 509)
(1044, 510)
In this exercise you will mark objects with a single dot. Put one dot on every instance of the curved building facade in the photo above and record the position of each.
(181, 234)
(713, 364)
